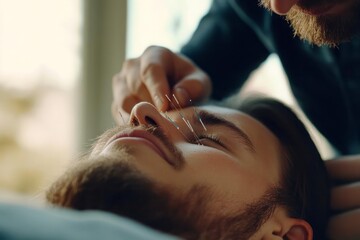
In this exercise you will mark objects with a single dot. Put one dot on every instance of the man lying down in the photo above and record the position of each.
(206, 173)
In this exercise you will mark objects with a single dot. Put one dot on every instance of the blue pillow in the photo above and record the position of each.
(20, 222)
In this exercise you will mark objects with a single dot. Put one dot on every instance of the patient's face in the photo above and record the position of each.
(320, 21)
(234, 155)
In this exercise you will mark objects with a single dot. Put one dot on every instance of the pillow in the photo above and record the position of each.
(35, 223)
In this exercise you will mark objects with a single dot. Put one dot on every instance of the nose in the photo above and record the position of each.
(146, 114)
(282, 7)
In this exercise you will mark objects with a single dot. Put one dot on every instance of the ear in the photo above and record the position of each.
(281, 226)
(299, 229)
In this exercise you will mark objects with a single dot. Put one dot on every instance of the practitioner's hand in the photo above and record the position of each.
(156, 73)
(345, 198)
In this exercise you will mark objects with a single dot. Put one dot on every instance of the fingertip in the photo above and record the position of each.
(160, 103)
(182, 96)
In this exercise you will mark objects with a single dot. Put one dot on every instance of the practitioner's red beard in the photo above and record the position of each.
(323, 29)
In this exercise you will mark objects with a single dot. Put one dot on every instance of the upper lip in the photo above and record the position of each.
(154, 140)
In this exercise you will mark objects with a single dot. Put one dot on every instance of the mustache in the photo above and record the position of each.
(156, 131)
(177, 154)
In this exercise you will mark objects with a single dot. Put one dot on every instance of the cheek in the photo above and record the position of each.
(229, 177)
(212, 162)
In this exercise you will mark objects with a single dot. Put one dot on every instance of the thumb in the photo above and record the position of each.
(158, 87)
(192, 89)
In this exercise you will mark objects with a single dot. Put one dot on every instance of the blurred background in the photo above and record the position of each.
(57, 59)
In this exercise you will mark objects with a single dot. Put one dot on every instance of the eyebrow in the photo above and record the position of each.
(213, 120)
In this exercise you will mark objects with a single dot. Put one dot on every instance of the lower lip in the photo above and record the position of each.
(136, 140)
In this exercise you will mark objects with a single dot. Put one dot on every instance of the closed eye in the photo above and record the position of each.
(205, 138)
(210, 119)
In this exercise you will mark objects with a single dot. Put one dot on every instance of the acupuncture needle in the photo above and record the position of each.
(176, 126)
(182, 117)
(122, 117)
(196, 113)
(187, 122)
(199, 118)
(179, 112)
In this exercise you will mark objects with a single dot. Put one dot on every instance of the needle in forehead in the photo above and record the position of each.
(177, 109)
(199, 118)
(197, 115)
(172, 121)
(180, 112)
(172, 104)
(176, 100)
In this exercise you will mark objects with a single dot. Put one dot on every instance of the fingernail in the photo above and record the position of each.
(182, 95)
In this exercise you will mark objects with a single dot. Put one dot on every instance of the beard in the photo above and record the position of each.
(115, 185)
(329, 30)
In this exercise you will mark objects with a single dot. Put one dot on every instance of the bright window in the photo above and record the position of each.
(168, 23)
(40, 62)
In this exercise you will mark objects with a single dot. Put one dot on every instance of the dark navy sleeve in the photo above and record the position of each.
(226, 44)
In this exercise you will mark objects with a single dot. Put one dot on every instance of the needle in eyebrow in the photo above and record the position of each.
(172, 104)
(172, 121)
(195, 135)
(198, 116)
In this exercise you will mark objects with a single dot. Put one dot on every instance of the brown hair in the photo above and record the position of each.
(305, 182)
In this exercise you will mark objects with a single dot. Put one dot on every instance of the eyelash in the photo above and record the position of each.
(212, 138)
